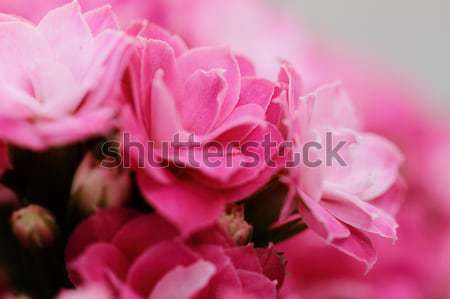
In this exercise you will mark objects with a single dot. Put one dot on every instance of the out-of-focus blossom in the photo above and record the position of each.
(318, 272)
(340, 200)
(126, 11)
(210, 101)
(34, 227)
(57, 76)
(95, 186)
(242, 25)
(145, 257)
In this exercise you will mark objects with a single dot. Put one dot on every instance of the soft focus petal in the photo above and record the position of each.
(184, 282)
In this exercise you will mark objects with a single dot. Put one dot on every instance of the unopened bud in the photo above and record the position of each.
(96, 187)
(233, 222)
(34, 227)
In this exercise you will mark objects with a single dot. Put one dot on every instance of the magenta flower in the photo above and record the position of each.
(143, 256)
(340, 202)
(57, 76)
(206, 94)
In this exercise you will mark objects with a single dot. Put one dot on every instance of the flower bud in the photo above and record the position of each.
(34, 227)
(96, 187)
(234, 224)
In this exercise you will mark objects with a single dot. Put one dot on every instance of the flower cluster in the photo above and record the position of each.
(141, 160)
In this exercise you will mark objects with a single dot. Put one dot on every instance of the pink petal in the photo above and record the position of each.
(273, 264)
(333, 108)
(321, 221)
(113, 50)
(55, 86)
(77, 51)
(101, 227)
(184, 282)
(97, 262)
(78, 127)
(358, 246)
(373, 168)
(165, 122)
(155, 263)
(101, 19)
(392, 200)
(186, 204)
(292, 81)
(137, 135)
(21, 133)
(156, 55)
(361, 215)
(245, 66)
(141, 233)
(238, 125)
(152, 31)
(245, 258)
(257, 285)
(245, 191)
(214, 58)
(22, 48)
(203, 96)
(226, 277)
(257, 91)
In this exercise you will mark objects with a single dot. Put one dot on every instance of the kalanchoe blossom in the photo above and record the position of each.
(143, 256)
(207, 95)
(341, 203)
(57, 76)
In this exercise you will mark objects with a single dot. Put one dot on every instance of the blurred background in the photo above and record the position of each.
(409, 36)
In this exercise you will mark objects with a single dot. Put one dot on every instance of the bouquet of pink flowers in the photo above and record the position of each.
(208, 150)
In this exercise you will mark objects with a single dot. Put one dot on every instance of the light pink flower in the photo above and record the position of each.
(340, 202)
(143, 256)
(126, 10)
(207, 94)
(59, 79)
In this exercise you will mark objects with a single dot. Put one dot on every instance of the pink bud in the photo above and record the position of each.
(34, 227)
(95, 186)
(233, 222)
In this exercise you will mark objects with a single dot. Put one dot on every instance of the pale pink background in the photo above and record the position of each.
(412, 36)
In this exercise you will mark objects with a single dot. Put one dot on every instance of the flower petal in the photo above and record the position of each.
(185, 203)
(141, 233)
(214, 58)
(155, 263)
(97, 262)
(184, 282)
(77, 51)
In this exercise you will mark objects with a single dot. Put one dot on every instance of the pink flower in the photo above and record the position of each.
(126, 10)
(59, 79)
(407, 270)
(143, 256)
(343, 200)
(206, 94)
